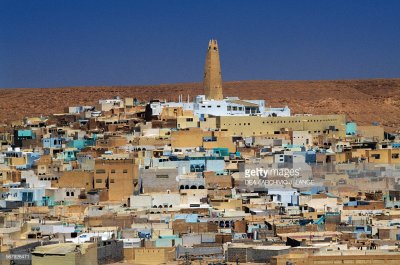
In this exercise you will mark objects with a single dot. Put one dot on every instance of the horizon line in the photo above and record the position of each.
(199, 82)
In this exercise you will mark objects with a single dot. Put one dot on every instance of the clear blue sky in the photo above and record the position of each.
(69, 43)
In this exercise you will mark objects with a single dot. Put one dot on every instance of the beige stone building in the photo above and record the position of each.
(149, 255)
(117, 175)
(339, 257)
(371, 132)
(195, 137)
(383, 156)
(258, 125)
(113, 141)
(76, 179)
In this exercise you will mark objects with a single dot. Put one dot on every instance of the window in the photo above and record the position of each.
(189, 119)
(125, 171)
(72, 193)
(112, 181)
(100, 171)
(162, 176)
(99, 180)
(26, 196)
(112, 170)
(376, 156)
(395, 156)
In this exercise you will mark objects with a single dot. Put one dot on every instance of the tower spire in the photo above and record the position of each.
(212, 82)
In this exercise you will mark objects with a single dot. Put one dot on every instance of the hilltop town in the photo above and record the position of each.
(198, 175)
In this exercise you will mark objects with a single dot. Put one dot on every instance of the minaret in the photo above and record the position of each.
(212, 82)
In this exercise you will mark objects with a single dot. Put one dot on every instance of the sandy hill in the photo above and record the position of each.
(364, 101)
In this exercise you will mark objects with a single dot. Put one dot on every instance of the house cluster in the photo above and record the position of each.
(214, 181)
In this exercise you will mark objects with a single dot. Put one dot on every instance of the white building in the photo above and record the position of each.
(108, 104)
(230, 106)
(286, 196)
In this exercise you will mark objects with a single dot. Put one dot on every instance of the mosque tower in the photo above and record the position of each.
(212, 82)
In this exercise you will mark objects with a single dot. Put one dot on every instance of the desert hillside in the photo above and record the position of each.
(364, 101)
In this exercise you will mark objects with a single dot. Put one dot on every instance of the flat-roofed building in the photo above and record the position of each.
(65, 253)
(117, 175)
(334, 125)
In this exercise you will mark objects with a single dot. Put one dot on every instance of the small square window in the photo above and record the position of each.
(376, 156)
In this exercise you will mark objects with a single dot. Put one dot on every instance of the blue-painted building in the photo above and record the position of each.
(23, 134)
(68, 154)
(81, 143)
(189, 218)
(395, 145)
(207, 163)
(52, 142)
(351, 128)
(221, 151)
(29, 195)
(168, 241)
